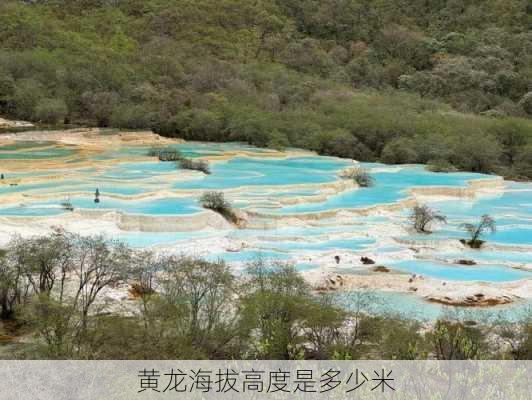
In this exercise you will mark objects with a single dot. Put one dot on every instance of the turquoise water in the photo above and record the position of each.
(66, 187)
(107, 188)
(513, 236)
(146, 239)
(415, 307)
(344, 244)
(248, 256)
(48, 153)
(21, 187)
(242, 171)
(454, 272)
(36, 210)
(280, 193)
(287, 233)
(517, 198)
(512, 209)
(171, 206)
(390, 186)
(505, 233)
(293, 241)
(25, 145)
(166, 206)
(488, 256)
(140, 170)
(301, 267)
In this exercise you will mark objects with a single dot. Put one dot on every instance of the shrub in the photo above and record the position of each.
(477, 152)
(340, 143)
(399, 151)
(277, 141)
(456, 341)
(526, 103)
(402, 342)
(275, 302)
(216, 202)
(99, 106)
(165, 154)
(360, 175)
(422, 216)
(26, 96)
(67, 205)
(512, 137)
(51, 111)
(131, 116)
(441, 166)
(523, 162)
(486, 224)
(196, 165)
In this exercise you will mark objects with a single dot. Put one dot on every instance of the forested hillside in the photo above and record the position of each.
(442, 82)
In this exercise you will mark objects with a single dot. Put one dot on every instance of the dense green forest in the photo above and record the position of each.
(447, 83)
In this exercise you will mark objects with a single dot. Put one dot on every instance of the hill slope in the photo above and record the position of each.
(445, 82)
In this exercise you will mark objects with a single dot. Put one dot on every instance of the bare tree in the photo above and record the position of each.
(359, 303)
(323, 324)
(145, 268)
(98, 264)
(203, 290)
(13, 288)
(65, 274)
(44, 260)
(422, 216)
(34, 266)
(486, 224)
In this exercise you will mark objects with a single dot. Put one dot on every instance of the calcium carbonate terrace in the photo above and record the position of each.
(298, 209)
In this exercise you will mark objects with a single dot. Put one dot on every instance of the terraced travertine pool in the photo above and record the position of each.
(299, 209)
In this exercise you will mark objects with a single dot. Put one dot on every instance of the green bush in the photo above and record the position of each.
(196, 165)
(360, 175)
(341, 143)
(51, 111)
(526, 103)
(400, 151)
(165, 154)
(476, 152)
(216, 202)
(454, 340)
(523, 163)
